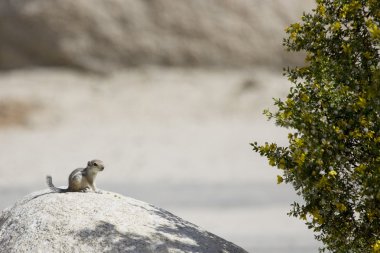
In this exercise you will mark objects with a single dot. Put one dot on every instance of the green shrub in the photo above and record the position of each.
(333, 115)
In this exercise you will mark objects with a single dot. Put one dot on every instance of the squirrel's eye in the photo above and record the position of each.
(95, 164)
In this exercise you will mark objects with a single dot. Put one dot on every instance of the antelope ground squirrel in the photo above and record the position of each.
(80, 180)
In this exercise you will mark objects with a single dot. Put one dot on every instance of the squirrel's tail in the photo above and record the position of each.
(49, 182)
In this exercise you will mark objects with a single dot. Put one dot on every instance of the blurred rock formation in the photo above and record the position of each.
(106, 35)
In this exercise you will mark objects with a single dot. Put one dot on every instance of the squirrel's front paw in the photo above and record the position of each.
(87, 189)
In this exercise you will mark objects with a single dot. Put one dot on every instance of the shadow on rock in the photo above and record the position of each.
(177, 236)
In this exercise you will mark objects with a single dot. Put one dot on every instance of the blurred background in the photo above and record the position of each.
(168, 93)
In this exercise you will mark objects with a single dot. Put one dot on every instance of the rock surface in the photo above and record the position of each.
(108, 222)
(103, 35)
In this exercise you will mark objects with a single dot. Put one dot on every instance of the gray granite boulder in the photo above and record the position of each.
(107, 222)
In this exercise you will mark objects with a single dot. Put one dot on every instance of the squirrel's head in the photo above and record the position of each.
(96, 164)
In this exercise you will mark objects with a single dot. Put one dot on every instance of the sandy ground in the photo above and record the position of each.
(173, 137)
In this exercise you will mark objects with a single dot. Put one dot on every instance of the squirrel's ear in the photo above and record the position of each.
(89, 163)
